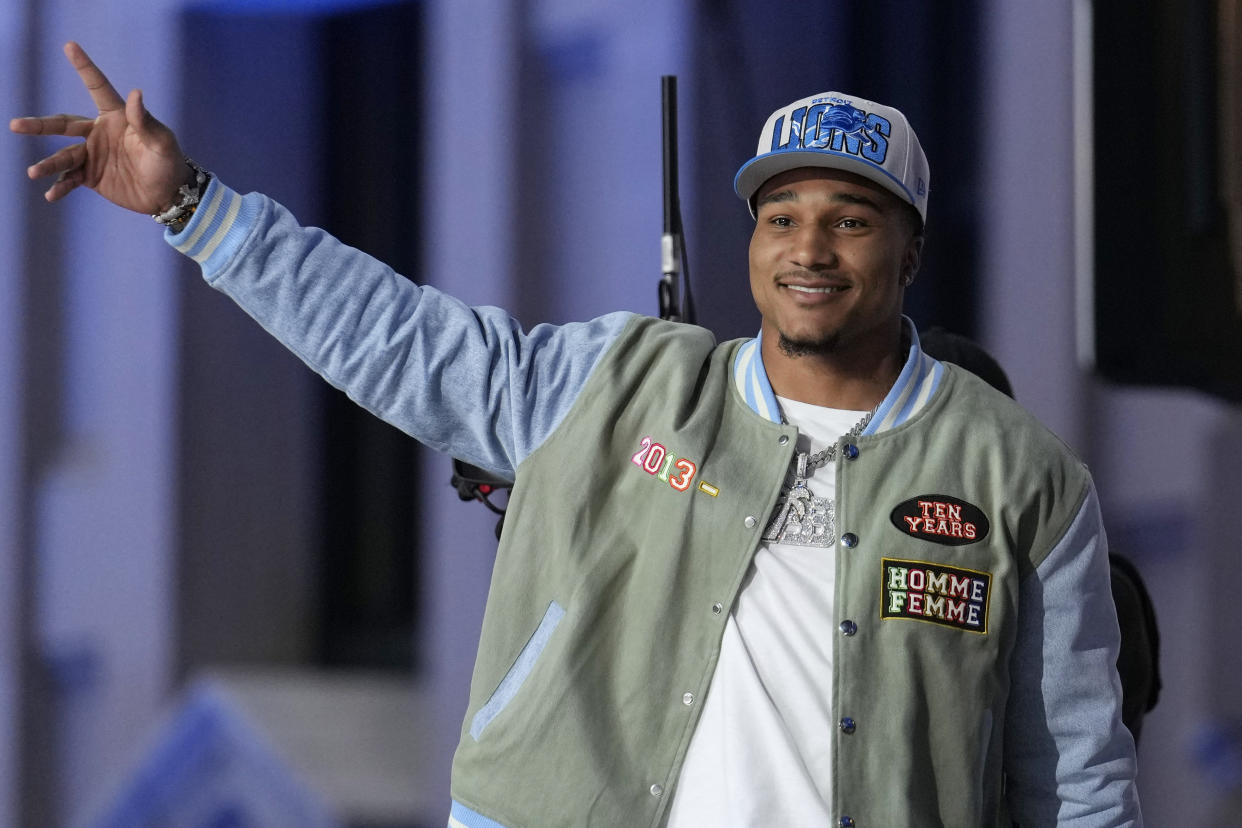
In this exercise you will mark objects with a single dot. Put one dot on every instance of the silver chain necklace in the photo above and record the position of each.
(800, 518)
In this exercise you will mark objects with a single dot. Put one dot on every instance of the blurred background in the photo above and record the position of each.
(229, 599)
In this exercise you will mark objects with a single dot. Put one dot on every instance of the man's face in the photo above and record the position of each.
(828, 261)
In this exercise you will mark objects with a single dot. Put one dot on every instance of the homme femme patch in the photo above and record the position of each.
(941, 519)
(938, 594)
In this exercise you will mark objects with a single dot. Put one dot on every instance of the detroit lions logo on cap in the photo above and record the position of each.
(837, 125)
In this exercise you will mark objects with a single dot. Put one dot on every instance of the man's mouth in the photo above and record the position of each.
(824, 289)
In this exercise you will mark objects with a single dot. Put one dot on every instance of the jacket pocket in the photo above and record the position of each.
(513, 680)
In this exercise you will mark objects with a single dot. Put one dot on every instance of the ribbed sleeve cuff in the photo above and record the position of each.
(219, 226)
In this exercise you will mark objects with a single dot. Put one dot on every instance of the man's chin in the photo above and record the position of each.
(806, 346)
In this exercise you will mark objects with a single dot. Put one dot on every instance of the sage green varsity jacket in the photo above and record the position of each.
(605, 611)
(977, 635)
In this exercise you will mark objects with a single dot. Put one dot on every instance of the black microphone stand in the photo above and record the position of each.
(676, 303)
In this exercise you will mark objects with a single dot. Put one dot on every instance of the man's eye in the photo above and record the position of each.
(851, 223)
(782, 221)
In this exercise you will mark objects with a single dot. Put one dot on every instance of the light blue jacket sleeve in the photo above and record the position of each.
(466, 381)
(1069, 759)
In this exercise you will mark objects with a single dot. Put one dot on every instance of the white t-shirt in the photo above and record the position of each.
(762, 751)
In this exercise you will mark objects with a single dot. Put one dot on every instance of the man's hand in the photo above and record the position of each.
(128, 156)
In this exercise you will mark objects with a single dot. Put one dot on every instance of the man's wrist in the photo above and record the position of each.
(188, 196)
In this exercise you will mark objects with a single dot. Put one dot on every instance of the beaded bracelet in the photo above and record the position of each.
(177, 216)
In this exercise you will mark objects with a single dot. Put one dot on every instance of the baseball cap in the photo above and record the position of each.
(842, 132)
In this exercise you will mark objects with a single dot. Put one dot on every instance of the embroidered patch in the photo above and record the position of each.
(941, 519)
(659, 462)
(938, 594)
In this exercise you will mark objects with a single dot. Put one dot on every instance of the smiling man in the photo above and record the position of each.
(812, 578)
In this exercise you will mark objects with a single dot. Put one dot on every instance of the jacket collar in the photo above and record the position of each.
(915, 385)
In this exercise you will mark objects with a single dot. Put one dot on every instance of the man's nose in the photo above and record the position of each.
(814, 247)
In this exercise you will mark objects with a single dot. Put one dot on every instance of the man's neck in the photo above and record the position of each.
(857, 379)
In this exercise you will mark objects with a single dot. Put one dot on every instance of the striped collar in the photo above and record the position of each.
(918, 380)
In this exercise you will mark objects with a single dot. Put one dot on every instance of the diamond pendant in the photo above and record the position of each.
(801, 518)
(810, 521)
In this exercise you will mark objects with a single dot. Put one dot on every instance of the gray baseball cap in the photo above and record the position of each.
(842, 132)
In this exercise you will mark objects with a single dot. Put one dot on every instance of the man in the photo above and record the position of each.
(814, 578)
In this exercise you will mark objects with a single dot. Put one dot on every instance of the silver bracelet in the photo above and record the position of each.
(177, 216)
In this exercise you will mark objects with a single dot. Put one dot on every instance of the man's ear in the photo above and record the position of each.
(911, 260)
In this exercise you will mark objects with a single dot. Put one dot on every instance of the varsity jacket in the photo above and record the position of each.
(974, 665)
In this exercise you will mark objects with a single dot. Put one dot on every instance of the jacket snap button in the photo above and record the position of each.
(847, 725)
(750, 521)
(657, 790)
(687, 699)
(849, 540)
(784, 440)
(717, 608)
(848, 627)
(846, 822)
(850, 452)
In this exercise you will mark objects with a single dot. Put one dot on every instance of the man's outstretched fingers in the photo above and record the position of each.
(140, 120)
(102, 92)
(72, 126)
(65, 184)
(60, 162)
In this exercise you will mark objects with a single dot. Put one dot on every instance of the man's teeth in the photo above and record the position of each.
(805, 289)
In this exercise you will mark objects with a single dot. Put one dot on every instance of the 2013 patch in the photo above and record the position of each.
(941, 519)
(656, 460)
(944, 595)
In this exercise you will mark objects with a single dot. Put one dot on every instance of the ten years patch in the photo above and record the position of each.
(941, 519)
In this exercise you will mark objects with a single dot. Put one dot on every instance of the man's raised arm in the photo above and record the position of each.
(466, 381)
